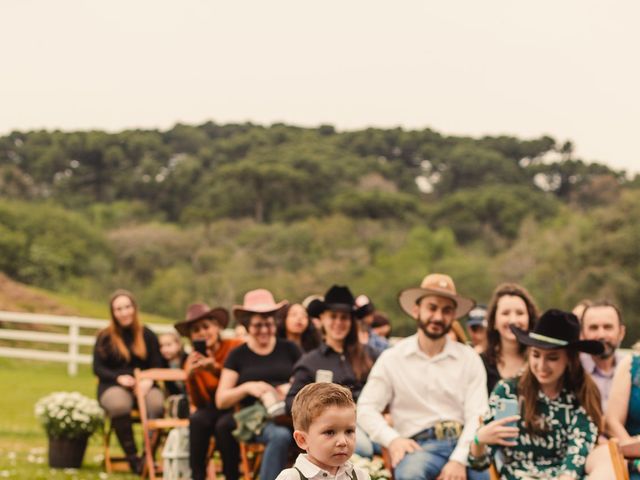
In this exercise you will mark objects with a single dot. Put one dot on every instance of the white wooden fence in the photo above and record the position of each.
(72, 338)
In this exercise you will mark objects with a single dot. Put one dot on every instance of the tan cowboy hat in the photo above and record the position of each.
(198, 311)
(435, 284)
(258, 301)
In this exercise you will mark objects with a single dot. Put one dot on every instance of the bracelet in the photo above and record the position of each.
(475, 439)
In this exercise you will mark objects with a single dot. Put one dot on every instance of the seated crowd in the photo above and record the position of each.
(531, 396)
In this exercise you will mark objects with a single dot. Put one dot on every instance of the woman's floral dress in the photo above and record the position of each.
(562, 451)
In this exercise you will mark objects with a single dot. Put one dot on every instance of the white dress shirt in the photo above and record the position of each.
(422, 391)
(314, 472)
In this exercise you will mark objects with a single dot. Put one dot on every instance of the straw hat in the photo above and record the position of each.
(439, 285)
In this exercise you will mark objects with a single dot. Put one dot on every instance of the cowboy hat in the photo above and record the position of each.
(198, 311)
(364, 306)
(439, 285)
(257, 301)
(338, 299)
(557, 329)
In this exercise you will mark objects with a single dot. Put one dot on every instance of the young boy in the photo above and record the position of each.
(324, 419)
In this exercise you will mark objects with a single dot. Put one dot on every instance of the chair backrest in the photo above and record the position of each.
(617, 460)
(493, 472)
(151, 427)
(162, 374)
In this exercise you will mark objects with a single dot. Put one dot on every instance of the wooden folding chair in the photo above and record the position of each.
(154, 428)
(250, 459)
(115, 463)
(250, 456)
(493, 472)
(617, 460)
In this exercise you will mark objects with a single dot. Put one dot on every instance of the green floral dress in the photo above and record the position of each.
(563, 451)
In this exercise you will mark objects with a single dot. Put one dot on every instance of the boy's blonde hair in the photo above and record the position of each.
(314, 399)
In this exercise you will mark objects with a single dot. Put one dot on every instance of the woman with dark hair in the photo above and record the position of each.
(120, 348)
(259, 370)
(341, 358)
(292, 323)
(557, 403)
(504, 357)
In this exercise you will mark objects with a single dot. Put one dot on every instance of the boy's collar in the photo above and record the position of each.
(310, 469)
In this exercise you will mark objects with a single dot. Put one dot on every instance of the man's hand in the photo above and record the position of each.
(453, 471)
(399, 447)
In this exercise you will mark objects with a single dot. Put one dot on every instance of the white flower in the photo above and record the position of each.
(69, 414)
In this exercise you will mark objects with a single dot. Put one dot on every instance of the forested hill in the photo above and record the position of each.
(206, 212)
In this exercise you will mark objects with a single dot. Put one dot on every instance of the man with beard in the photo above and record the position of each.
(602, 321)
(435, 389)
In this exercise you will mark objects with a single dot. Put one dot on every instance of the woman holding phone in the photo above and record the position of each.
(558, 405)
(202, 326)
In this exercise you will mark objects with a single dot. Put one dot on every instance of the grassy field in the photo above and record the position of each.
(23, 442)
(88, 308)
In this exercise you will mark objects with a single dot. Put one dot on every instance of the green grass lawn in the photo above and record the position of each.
(91, 309)
(23, 442)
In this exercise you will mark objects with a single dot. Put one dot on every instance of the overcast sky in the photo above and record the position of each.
(566, 68)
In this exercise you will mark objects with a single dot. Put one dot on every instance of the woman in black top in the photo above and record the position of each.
(340, 359)
(120, 348)
(260, 369)
(504, 357)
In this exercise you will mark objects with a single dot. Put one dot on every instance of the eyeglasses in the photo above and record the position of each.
(262, 325)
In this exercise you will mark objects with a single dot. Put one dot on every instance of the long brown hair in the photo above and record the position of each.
(493, 336)
(459, 332)
(357, 355)
(575, 380)
(355, 352)
(309, 339)
(114, 331)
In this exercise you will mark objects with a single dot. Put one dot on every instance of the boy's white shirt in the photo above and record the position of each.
(313, 472)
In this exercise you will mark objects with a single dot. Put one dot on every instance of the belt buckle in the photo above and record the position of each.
(447, 430)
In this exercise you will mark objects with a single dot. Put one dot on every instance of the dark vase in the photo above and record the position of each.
(67, 452)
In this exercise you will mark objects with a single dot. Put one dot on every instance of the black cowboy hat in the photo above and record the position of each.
(557, 329)
(337, 299)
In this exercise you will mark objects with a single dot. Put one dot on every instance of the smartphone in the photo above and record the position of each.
(200, 346)
(507, 407)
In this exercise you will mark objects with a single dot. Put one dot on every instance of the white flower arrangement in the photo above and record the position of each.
(69, 415)
(374, 466)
